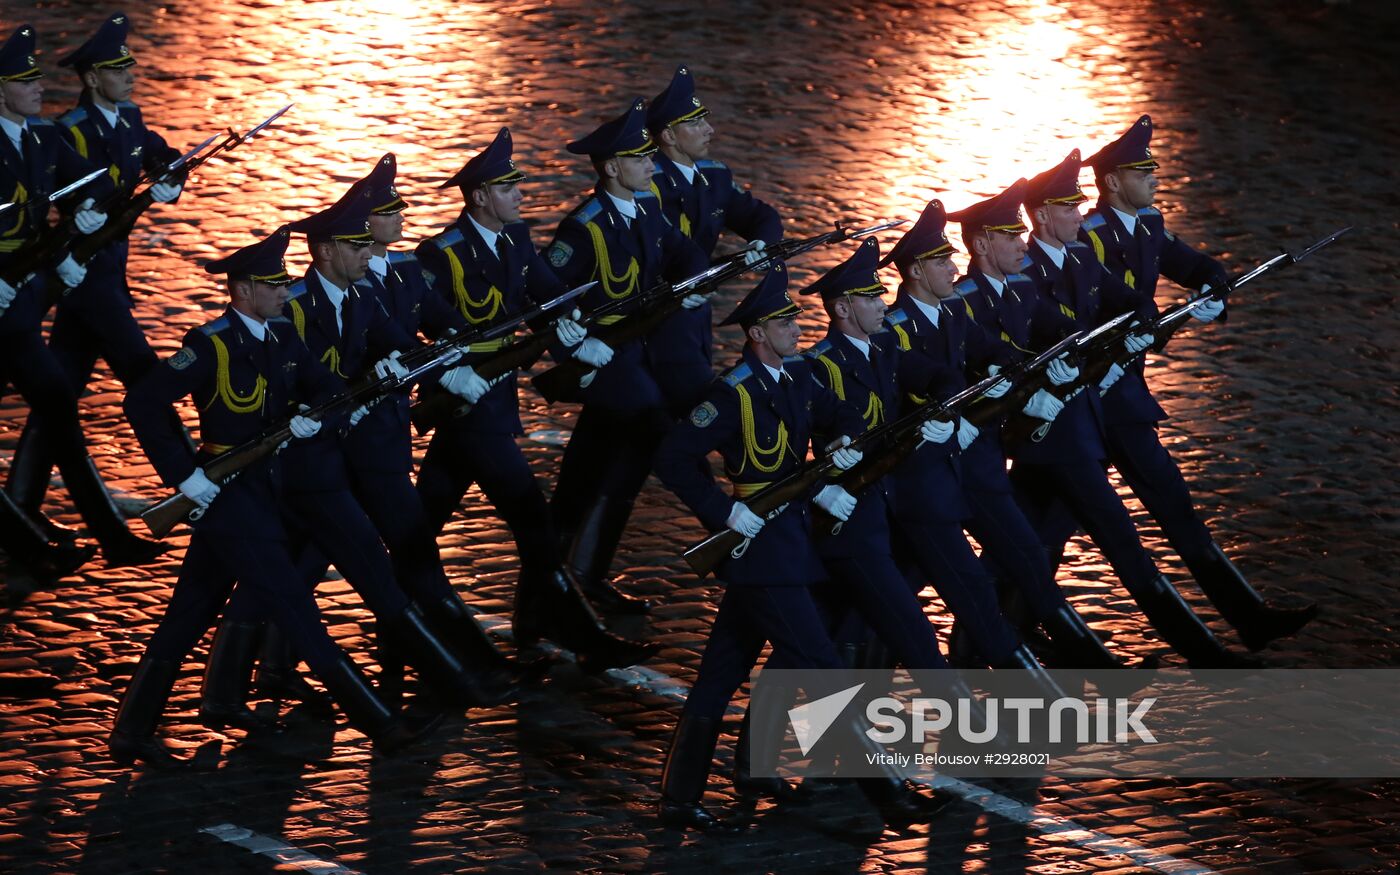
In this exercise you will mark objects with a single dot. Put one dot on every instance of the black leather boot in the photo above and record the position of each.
(30, 470)
(455, 624)
(1021, 659)
(684, 775)
(1075, 643)
(590, 556)
(1257, 620)
(25, 542)
(553, 607)
(1183, 630)
(224, 697)
(389, 730)
(120, 548)
(277, 676)
(750, 789)
(408, 633)
(134, 733)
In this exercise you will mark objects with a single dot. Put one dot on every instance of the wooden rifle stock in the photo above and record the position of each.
(707, 555)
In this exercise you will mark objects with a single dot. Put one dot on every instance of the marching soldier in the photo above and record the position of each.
(1129, 238)
(760, 415)
(699, 196)
(486, 270)
(619, 237)
(245, 371)
(34, 162)
(94, 318)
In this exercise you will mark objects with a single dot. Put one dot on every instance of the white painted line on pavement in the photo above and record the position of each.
(275, 850)
(1064, 830)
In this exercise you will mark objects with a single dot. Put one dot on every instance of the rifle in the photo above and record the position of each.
(903, 440)
(163, 516)
(648, 310)
(1164, 327)
(119, 225)
(1026, 378)
(48, 248)
(432, 411)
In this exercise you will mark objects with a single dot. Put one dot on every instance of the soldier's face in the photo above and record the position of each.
(113, 86)
(1063, 221)
(693, 137)
(503, 202)
(1005, 250)
(22, 98)
(780, 335)
(352, 259)
(868, 312)
(266, 300)
(936, 275)
(634, 171)
(386, 229)
(1138, 188)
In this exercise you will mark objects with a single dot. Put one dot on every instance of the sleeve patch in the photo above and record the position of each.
(560, 253)
(182, 359)
(703, 415)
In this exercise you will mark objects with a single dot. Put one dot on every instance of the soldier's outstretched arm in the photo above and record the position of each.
(148, 407)
(711, 425)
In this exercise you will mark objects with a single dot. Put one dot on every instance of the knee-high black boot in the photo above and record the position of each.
(134, 733)
(591, 553)
(1183, 630)
(454, 622)
(749, 788)
(24, 541)
(408, 633)
(224, 697)
(1257, 620)
(120, 548)
(389, 730)
(31, 468)
(685, 774)
(277, 676)
(553, 606)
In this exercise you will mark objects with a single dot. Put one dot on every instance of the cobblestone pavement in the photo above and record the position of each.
(1277, 123)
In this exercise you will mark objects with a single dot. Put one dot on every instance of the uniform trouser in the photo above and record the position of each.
(937, 552)
(331, 526)
(1136, 450)
(393, 506)
(1012, 549)
(610, 453)
(785, 616)
(457, 458)
(27, 363)
(871, 593)
(1076, 493)
(101, 326)
(266, 577)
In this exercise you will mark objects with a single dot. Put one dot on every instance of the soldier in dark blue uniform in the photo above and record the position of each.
(94, 318)
(700, 197)
(346, 329)
(485, 269)
(246, 371)
(1128, 236)
(940, 344)
(1061, 468)
(35, 161)
(620, 237)
(760, 416)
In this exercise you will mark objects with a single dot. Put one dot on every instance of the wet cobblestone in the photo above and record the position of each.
(1277, 124)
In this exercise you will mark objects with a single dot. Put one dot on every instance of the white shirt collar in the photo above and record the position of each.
(487, 235)
(775, 373)
(862, 345)
(687, 170)
(12, 130)
(255, 328)
(336, 296)
(932, 311)
(997, 285)
(627, 208)
(1057, 255)
(111, 115)
(1129, 221)
(379, 264)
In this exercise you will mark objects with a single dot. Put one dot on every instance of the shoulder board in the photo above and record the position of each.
(586, 211)
(794, 360)
(817, 350)
(1026, 263)
(73, 116)
(1149, 211)
(640, 194)
(1076, 244)
(737, 374)
(36, 121)
(280, 320)
(1093, 221)
(403, 257)
(710, 164)
(964, 286)
(896, 316)
(211, 328)
(1017, 277)
(451, 237)
(296, 290)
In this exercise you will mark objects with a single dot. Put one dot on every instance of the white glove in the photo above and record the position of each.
(1209, 311)
(302, 427)
(164, 192)
(87, 219)
(936, 431)
(1044, 406)
(1136, 343)
(593, 352)
(967, 433)
(836, 501)
(845, 457)
(464, 383)
(754, 253)
(71, 272)
(7, 295)
(743, 520)
(693, 302)
(390, 365)
(199, 488)
(569, 332)
(452, 356)
(1111, 377)
(356, 415)
(1061, 372)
